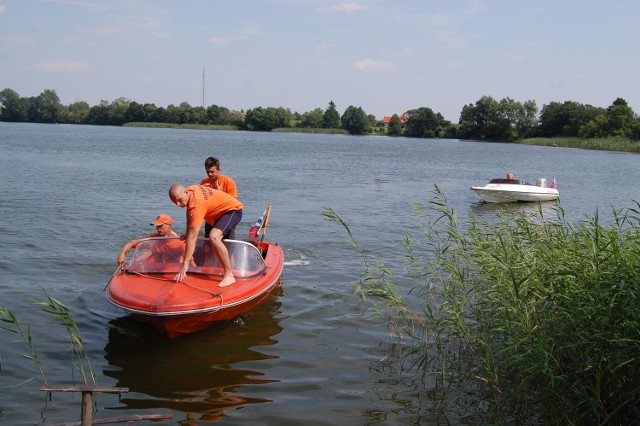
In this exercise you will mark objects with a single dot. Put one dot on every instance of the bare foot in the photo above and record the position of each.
(226, 281)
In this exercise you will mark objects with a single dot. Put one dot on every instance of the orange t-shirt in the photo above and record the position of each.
(135, 242)
(208, 204)
(225, 183)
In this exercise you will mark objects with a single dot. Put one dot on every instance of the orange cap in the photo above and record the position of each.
(162, 219)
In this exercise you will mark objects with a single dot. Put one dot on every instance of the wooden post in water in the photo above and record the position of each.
(86, 410)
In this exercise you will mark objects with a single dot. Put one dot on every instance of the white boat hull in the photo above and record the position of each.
(510, 193)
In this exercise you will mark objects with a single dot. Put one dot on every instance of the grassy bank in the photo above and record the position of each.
(310, 130)
(604, 144)
(180, 126)
(525, 320)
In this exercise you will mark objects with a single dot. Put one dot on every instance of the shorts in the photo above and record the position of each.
(226, 223)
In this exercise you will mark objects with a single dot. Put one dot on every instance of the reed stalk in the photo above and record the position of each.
(535, 317)
(8, 318)
(52, 306)
(82, 361)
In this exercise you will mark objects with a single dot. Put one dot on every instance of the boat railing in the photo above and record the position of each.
(164, 255)
(509, 181)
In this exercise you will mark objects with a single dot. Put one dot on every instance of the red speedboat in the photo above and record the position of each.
(145, 287)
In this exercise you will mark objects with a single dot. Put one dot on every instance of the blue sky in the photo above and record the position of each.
(384, 56)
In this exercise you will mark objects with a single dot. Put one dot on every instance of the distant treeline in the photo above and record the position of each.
(487, 119)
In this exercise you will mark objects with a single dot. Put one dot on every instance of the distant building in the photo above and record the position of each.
(386, 120)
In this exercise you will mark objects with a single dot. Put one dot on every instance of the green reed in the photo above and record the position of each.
(536, 317)
(616, 143)
(54, 307)
(8, 318)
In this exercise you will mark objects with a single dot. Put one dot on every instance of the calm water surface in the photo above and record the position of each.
(71, 196)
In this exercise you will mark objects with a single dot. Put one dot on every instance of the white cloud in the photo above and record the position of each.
(346, 8)
(3, 8)
(16, 40)
(96, 6)
(373, 65)
(320, 48)
(247, 33)
(62, 66)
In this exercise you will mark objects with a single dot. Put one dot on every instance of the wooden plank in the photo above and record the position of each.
(132, 418)
(84, 389)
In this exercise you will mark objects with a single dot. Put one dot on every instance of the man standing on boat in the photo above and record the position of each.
(212, 206)
(216, 180)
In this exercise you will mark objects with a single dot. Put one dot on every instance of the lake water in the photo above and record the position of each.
(72, 196)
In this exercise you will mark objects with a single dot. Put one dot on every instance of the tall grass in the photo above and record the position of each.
(181, 126)
(534, 317)
(310, 130)
(605, 144)
(80, 358)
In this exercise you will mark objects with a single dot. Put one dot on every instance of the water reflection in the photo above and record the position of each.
(488, 210)
(194, 373)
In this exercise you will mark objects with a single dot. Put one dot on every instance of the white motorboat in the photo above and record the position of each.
(514, 190)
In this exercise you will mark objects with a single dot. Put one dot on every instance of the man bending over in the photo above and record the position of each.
(213, 206)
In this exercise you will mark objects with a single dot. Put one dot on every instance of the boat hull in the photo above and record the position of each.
(197, 302)
(499, 196)
(511, 193)
(176, 325)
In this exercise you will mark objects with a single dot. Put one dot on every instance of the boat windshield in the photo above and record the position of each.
(163, 255)
(510, 181)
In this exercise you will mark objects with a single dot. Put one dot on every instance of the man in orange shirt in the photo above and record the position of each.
(216, 180)
(212, 206)
(163, 224)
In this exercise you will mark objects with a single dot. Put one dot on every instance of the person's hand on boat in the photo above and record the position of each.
(183, 273)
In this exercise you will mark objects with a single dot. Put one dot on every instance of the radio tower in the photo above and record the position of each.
(203, 88)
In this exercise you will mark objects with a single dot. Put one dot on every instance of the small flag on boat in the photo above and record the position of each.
(553, 183)
(260, 225)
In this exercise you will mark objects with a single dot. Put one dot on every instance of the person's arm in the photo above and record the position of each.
(127, 247)
(189, 248)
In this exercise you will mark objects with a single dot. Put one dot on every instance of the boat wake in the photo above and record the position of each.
(302, 261)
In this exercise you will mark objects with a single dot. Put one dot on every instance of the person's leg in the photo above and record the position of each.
(207, 229)
(223, 255)
(227, 224)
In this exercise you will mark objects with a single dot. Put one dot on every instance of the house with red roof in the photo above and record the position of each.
(403, 119)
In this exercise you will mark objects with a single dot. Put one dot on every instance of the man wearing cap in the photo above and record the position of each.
(163, 224)
(215, 207)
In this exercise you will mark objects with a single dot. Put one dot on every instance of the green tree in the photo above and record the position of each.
(118, 111)
(99, 114)
(491, 120)
(331, 118)
(527, 120)
(175, 115)
(218, 115)
(236, 118)
(424, 123)
(135, 113)
(150, 113)
(355, 121)
(267, 119)
(620, 116)
(312, 119)
(47, 107)
(566, 119)
(12, 107)
(77, 112)
(395, 126)
(199, 115)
